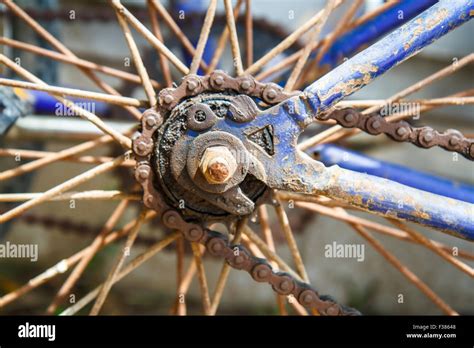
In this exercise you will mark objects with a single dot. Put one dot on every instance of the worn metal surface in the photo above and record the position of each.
(332, 154)
(388, 52)
(366, 33)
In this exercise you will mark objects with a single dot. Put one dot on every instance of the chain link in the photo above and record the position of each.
(401, 131)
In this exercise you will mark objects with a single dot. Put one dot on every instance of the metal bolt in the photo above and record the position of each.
(218, 164)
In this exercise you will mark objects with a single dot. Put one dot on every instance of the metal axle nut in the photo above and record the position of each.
(218, 164)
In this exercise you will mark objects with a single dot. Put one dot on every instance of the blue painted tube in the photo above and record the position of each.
(44, 103)
(371, 30)
(388, 52)
(332, 154)
(390, 199)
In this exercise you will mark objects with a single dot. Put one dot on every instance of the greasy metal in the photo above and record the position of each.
(217, 244)
(424, 137)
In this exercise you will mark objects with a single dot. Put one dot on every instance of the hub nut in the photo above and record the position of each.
(218, 164)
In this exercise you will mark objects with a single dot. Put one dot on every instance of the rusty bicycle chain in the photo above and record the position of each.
(217, 243)
(401, 131)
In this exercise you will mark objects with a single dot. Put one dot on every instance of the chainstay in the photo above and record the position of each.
(401, 131)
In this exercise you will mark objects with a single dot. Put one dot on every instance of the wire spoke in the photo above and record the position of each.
(124, 75)
(61, 188)
(155, 26)
(341, 27)
(413, 278)
(148, 35)
(137, 59)
(63, 49)
(35, 154)
(206, 28)
(225, 270)
(206, 300)
(374, 226)
(108, 98)
(87, 115)
(287, 42)
(234, 39)
(248, 33)
(432, 246)
(131, 266)
(119, 261)
(180, 303)
(77, 272)
(54, 157)
(290, 239)
(222, 42)
(313, 37)
(85, 195)
(176, 30)
(66, 264)
(268, 236)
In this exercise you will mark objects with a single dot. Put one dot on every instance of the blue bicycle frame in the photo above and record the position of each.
(369, 192)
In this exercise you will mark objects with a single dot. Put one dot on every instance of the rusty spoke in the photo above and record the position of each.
(117, 267)
(137, 59)
(87, 115)
(63, 49)
(61, 188)
(313, 36)
(206, 28)
(131, 266)
(155, 27)
(77, 272)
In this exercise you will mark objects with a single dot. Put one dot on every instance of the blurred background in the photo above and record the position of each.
(90, 30)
